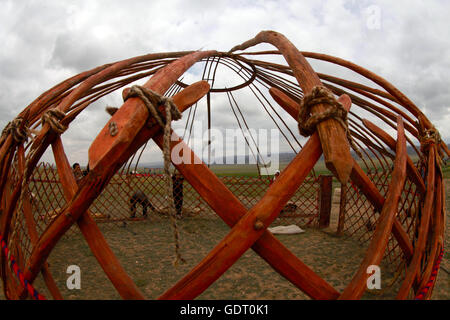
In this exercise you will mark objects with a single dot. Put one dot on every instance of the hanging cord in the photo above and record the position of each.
(152, 101)
(307, 123)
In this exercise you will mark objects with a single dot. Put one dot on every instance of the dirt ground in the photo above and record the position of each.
(146, 251)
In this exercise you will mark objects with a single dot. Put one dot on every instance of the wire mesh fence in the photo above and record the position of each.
(135, 196)
(139, 195)
(360, 217)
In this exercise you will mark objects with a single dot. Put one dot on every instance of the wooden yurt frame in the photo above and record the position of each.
(41, 124)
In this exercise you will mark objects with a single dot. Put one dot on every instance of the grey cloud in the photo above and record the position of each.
(72, 52)
(45, 43)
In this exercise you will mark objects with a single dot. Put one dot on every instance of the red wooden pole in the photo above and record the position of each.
(380, 238)
(230, 209)
(332, 135)
(94, 237)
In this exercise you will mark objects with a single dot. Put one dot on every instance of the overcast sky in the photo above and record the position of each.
(45, 42)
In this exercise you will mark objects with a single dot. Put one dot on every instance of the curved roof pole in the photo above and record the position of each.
(332, 135)
(377, 247)
(111, 155)
(132, 115)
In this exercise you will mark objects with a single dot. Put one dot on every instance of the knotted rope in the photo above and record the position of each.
(428, 137)
(152, 101)
(16, 128)
(307, 122)
(19, 274)
(53, 118)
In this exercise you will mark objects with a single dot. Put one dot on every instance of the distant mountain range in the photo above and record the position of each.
(283, 157)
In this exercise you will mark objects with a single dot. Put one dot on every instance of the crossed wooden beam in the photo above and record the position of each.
(248, 227)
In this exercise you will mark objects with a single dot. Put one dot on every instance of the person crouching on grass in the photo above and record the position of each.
(140, 198)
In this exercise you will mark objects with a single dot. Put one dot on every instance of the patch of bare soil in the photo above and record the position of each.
(146, 250)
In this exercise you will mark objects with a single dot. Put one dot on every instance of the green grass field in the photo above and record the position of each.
(319, 168)
(251, 170)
